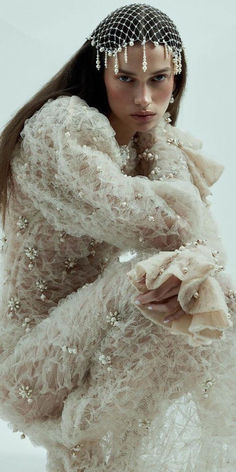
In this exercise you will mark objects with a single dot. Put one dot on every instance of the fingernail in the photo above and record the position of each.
(137, 302)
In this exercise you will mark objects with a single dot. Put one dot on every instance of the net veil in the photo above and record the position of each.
(136, 23)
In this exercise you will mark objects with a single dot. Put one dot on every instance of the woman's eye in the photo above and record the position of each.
(158, 76)
(123, 76)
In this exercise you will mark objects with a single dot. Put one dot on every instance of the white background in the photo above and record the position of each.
(38, 38)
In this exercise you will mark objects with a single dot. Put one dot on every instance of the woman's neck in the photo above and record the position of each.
(123, 134)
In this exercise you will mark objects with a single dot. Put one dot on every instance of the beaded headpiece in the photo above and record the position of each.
(136, 23)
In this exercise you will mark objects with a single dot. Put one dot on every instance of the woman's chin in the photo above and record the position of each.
(143, 127)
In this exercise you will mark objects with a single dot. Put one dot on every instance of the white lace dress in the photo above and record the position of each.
(85, 372)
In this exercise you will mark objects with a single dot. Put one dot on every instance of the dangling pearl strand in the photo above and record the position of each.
(105, 59)
(166, 50)
(116, 67)
(144, 64)
(125, 54)
(98, 60)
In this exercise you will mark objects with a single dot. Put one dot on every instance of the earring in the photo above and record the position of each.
(172, 99)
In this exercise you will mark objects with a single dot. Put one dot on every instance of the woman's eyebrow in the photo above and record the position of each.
(166, 69)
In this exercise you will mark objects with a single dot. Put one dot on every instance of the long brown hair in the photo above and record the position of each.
(78, 76)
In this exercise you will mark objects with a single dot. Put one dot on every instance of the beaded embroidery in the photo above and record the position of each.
(25, 392)
(105, 360)
(22, 224)
(70, 263)
(32, 254)
(42, 286)
(14, 305)
(113, 318)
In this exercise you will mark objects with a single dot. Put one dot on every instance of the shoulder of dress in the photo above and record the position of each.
(70, 110)
(93, 129)
(52, 112)
(66, 120)
(70, 113)
(80, 114)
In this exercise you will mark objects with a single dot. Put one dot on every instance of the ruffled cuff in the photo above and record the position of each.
(200, 294)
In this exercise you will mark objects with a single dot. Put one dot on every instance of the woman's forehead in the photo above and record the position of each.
(155, 55)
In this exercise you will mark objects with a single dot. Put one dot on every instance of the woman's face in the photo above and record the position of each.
(132, 90)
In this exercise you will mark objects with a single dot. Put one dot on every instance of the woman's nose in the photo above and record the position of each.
(142, 96)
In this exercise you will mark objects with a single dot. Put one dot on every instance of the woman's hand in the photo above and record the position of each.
(164, 299)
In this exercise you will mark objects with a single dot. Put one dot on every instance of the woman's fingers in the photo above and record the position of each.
(152, 296)
(170, 306)
(168, 285)
(167, 289)
(172, 292)
(175, 316)
(167, 293)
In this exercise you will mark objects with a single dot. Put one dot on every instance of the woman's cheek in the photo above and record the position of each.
(116, 94)
(115, 91)
(121, 93)
(165, 94)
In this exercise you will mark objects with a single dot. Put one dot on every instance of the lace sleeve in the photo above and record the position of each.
(66, 165)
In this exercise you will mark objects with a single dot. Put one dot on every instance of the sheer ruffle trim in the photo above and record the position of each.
(204, 170)
(200, 294)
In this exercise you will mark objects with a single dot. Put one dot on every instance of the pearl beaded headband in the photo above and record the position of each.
(132, 23)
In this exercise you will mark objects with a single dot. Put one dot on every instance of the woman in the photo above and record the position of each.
(87, 372)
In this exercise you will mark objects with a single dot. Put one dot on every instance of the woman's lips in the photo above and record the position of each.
(143, 117)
